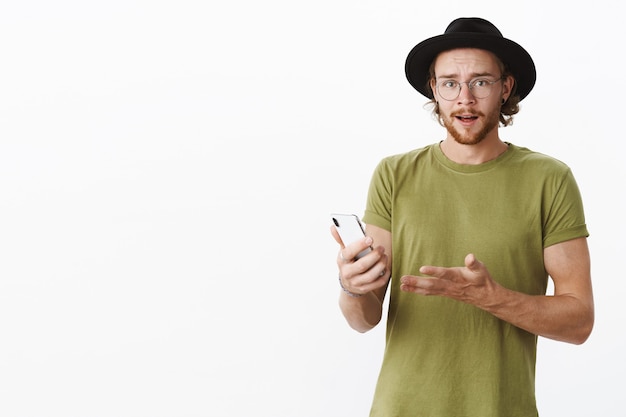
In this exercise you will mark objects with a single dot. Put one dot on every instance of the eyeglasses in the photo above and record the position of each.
(479, 87)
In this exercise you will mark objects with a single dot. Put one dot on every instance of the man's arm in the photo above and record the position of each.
(566, 316)
(365, 281)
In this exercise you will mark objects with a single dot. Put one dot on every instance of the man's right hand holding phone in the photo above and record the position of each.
(363, 281)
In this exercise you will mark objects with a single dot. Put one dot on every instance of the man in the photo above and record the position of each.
(470, 229)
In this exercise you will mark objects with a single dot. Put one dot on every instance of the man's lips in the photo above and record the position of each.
(466, 117)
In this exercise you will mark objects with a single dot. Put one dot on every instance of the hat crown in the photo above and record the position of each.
(472, 25)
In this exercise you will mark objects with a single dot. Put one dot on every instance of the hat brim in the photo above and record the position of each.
(516, 58)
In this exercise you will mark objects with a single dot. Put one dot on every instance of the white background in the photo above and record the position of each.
(166, 173)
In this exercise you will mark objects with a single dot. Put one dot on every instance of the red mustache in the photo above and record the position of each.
(460, 113)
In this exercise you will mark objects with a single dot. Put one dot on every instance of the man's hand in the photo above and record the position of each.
(366, 274)
(470, 284)
(367, 279)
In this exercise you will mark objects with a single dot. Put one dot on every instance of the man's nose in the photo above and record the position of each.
(465, 95)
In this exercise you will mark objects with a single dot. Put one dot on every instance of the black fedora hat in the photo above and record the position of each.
(470, 32)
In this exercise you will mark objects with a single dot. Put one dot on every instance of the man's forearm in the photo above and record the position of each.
(362, 313)
(559, 317)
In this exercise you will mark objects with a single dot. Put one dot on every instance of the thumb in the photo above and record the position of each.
(472, 263)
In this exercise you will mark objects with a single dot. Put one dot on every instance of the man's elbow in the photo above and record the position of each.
(583, 329)
(362, 327)
(585, 332)
(363, 324)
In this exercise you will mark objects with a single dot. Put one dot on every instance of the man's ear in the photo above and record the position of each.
(433, 87)
(507, 86)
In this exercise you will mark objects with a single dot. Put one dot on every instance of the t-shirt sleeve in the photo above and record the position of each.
(564, 217)
(378, 205)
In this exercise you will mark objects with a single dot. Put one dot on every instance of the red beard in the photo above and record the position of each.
(466, 138)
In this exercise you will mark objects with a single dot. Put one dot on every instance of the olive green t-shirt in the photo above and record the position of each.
(444, 358)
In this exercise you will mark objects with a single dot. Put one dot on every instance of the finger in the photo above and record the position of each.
(366, 270)
(433, 271)
(419, 285)
(369, 281)
(472, 263)
(371, 264)
(333, 231)
(350, 251)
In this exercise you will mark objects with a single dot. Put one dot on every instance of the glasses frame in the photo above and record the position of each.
(470, 86)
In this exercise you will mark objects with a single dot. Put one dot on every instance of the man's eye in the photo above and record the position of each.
(449, 84)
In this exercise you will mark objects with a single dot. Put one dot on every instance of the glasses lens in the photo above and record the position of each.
(481, 88)
(449, 90)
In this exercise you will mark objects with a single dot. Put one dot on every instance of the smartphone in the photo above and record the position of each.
(350, 229)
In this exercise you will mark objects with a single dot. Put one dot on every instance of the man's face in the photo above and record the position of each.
(467, 118)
